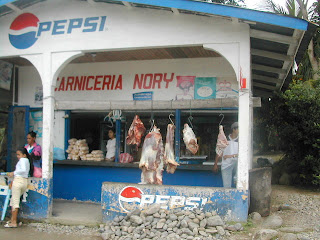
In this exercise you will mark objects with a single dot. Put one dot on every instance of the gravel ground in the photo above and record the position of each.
(298, 208)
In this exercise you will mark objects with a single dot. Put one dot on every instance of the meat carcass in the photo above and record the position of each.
(190, 139)
(222, 142)
(151, 161)
(135, 132)
(169, 158)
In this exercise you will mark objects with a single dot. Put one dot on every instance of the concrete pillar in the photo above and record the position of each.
(49, 65)
(238, 55)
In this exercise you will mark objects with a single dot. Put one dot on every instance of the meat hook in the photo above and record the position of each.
(221, 118)
(171, 115)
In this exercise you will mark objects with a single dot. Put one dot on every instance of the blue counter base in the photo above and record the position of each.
(83, 182)
(38, 199)
(121, 198)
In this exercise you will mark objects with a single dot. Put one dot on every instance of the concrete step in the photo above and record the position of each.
(75, 213)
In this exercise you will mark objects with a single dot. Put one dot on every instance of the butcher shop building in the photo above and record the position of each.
(161, 75)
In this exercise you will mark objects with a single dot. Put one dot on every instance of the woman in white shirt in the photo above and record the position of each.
(19, 184)
(111, 146)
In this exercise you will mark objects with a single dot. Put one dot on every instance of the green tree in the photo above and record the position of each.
(295, 116)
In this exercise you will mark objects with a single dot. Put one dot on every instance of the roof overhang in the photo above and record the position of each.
(277, 41)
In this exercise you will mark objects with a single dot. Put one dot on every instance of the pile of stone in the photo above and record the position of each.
(77, 149)
(157, 223)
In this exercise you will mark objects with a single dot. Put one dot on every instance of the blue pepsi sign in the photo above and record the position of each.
(26, 28)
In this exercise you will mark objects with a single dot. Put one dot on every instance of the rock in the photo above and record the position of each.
(173, 217)
(156, 215)
(136, 219)
(292, 229)
(289, 236)
(208, 214)
(173, 224)
(184, 224)
(137, 211)
(214, 221)
(203, 223)
(195, 231)
(187, 213)
(153, 209)
(116, 219)
(265, 234)
(201, 216)
(196, 220)
(192, 225)
(105, 235)
(220, 230)
(163, 215)
(287, 207)
(203, 233)
(213, 213)
(211, 230)
(160, 223)
(231, 228)
(149, 218)
(272, 221)
(285, 179)
(192, 215)
(187, 231)
(255, 217)
(238, 226)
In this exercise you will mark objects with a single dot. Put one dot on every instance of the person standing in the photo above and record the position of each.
(229, 158)
(35, 152)
(24, 169)
(111, 146)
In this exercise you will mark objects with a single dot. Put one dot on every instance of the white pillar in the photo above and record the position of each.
(238, 55)
(245, 119)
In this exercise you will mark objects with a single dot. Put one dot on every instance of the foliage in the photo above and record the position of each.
(295, 115)
(239, 3)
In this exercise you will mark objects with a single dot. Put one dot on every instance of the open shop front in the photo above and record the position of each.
(146, 58)
(159, 107)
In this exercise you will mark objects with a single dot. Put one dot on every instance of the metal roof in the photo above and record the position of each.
(276, 40)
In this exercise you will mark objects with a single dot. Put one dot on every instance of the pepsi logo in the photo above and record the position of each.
(130, 198)
(23, 29)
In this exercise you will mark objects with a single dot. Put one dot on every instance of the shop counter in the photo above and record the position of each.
(82, 180)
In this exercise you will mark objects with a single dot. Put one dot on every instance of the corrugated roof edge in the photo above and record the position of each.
(312, 28)
(3, 2)
(229, 11)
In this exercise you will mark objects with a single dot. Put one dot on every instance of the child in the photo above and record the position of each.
(24, 168)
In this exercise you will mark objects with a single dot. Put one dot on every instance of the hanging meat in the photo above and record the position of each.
(222, 142)
(169, 158)
(190, 139)
(135, 132)
(151, 161)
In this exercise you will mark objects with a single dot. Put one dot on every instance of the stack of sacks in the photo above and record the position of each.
(77, 149)
(97, 155)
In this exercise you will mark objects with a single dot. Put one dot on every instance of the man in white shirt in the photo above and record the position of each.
(229, 158)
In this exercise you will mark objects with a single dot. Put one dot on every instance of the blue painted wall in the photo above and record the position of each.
(84, 182)
(231, 204)
(38, 200)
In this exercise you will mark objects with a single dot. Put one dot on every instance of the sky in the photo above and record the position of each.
(260, 4)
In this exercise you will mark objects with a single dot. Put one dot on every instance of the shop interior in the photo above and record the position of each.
(94, 126)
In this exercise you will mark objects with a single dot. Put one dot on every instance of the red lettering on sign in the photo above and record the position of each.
(84, 83)
(119, 83)
(61, 87)
(147, 83)
(157, 79)
(78, 83)
(138, 81)
(168, 80)
(112, 83)
(97, 82)
(106, 82)
(88, 80)
(70, 83)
